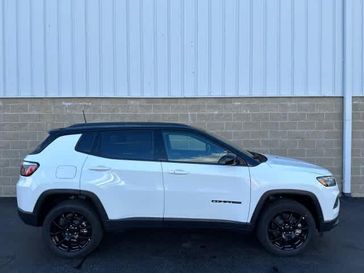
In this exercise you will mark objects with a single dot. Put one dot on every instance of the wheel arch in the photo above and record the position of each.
(48, 199)
(308, 199)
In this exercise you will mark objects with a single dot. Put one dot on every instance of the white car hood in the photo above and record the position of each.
(281, 161)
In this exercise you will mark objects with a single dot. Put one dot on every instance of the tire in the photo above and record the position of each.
(72, 229)
(285, 227)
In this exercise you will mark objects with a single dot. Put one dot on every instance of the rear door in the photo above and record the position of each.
(123, 173)
(198, 183)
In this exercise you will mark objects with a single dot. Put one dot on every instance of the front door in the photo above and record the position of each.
(199, 183)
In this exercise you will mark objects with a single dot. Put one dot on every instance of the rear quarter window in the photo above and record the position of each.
(86, 143)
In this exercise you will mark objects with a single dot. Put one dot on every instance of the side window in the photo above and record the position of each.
(86, 142)
(193, 148)
(127, 144)
(185, 142)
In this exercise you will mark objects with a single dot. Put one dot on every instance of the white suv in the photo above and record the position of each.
(92, 177)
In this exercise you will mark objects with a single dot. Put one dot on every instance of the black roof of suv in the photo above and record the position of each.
(94, 126)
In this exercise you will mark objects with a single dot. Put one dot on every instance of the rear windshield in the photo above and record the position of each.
(49, 139)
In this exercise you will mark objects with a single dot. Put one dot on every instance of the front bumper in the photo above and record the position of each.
(329, 225)
(29, 218)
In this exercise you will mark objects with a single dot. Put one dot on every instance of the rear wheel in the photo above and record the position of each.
(285, 228)
(72, 229)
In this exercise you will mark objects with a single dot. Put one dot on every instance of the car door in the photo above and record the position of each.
(124, 174)
(198, 185)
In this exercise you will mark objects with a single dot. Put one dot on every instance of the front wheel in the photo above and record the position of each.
(285, 228)
(72, 229)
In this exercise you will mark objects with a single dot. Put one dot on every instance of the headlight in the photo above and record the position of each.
(327, 181)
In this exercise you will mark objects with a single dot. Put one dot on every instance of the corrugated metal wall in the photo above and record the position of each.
(355, 43)
(177, 48)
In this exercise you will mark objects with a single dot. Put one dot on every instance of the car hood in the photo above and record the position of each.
(280, 161)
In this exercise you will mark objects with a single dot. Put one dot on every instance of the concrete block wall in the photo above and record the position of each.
(309, 128)
(357, 182)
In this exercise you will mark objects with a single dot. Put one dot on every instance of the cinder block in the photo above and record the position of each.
(250, 125)
(268, 143)
(288, 143)
(240, 135)
(301, 153)
(287, 107)
(10, 171)
(8, 190)
(306, 144)
(41, 107)
(277, 134)
(306, 125)
(297, 116)
(259, 116)
(9, 117)
(215, 126)
(223, 117)
(278, 117)
(288, 125)
(21, 107)
(334, 116)
(269, 125)
(269, 107)
(324, 125)
(178, 108)
(327, 107)
(4, 162)
(161, 108)
(204, 117)
(233, 125)
(308, 107)
(241, 116)
(261, 134)
(197, 108)
(224, 134)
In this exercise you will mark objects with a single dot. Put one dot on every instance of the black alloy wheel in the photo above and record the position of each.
(70, 231)
(288, 230)
(285, 227)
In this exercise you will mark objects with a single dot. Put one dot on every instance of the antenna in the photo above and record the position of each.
(84, 116)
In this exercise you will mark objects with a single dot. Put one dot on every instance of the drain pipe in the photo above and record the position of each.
(348, 95)
(347, 143)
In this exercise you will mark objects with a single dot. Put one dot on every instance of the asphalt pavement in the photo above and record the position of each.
(166, 250)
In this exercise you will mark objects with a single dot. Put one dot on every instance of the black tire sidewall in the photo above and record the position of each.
(81, 208)
(276, 208)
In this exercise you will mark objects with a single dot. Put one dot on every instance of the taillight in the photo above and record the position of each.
(28, 168)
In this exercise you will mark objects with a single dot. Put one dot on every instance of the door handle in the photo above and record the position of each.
(178, 172)
(99, 168)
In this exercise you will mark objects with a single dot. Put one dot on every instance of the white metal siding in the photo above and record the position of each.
(177, 48)
(355, 58)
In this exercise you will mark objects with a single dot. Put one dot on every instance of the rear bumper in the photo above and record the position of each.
(28, 218)
(329, 225)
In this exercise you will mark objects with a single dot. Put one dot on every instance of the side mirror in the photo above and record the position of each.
(229, 159)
